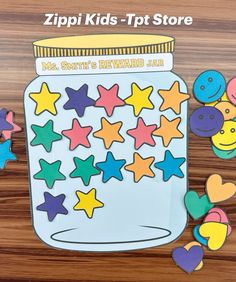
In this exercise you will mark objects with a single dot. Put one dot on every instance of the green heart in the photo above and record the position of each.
(195, 205)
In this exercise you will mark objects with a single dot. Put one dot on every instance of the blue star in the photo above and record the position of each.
(111, 168)
(78, 100)
(170, 166)
(5, 153)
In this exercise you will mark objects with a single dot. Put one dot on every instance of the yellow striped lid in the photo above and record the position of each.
(103, 44)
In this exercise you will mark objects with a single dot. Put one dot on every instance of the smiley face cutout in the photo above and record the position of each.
(206, 121)
(228, 110)
(225, 139)
(231, 90)
(209, 86)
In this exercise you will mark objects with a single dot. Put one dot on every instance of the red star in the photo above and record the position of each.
(78, 135)
(109, 99)
(142, 134)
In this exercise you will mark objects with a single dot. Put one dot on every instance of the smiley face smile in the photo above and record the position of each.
(215, 93)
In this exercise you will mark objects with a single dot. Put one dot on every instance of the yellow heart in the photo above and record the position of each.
(218, 192)
(215, 232)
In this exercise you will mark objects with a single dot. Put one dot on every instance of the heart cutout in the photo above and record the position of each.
(212, 217)
(188, 246)
(216, 234)
(195, 205)
(218, 215)
(217, 191)
(198, 237)
(188, 260)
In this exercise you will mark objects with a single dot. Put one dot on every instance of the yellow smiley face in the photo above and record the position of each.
(225, 139)
(228, 110)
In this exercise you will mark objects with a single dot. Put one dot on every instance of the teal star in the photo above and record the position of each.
(84, 169)
(50, 172)
(5, 153)
(170, 166)
(45, 136)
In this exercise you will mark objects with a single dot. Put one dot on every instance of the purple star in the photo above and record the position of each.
(53, 205)
(4, 125)
(78, 100)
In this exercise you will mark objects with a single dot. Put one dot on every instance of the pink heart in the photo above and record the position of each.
(213, 216)
(218, 215)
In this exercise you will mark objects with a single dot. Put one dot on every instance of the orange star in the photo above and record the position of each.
(168, 130)
(140, 167)
(173, 98)
(109, 132)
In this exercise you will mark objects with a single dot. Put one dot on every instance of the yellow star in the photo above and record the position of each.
(45, 100)
(140, 167)
(168, 130)
(139, 98)
(173, 98)
(109, 132)
(88, 202)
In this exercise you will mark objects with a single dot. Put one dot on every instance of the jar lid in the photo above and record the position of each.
(103, 44)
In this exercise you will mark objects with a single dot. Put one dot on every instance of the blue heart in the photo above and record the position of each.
(198, 237)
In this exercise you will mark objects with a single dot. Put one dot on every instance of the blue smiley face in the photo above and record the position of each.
(209, 86)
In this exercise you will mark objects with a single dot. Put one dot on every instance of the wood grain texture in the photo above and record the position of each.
(208, 43)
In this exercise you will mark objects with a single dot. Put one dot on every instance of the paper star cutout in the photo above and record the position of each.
(78, 135)
(111, 168)
(168, 130)
(15, 128)
(53, 205)
(173, 98)
(170, 166)
(109, 132)
(4, 124)
(5, 153)
(45, 136)
(109, 99)
(88, 202)
(50, 172)
(45, 100)
(139, 98)
(142, 134)
(84, 169)
(78, 100)
(140, 167)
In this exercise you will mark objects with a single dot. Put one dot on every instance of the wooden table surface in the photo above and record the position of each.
(209, 43)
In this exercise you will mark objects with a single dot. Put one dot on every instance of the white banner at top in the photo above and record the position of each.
(104, 64)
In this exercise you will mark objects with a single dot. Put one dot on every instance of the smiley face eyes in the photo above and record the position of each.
(227, 111)
(210, 117)
(210, 79)
(222, 132)
(232, 130)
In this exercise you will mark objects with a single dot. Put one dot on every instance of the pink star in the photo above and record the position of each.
(142, 134)
(7, 133)
(109, 99)
(78, 135)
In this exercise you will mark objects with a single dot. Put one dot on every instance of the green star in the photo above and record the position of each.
(45, 136)
(84, 169)
(49, 172)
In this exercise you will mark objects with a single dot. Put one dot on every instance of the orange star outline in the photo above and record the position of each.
(168, 130)
(173, 98)
(109, 132)
(141, 167)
